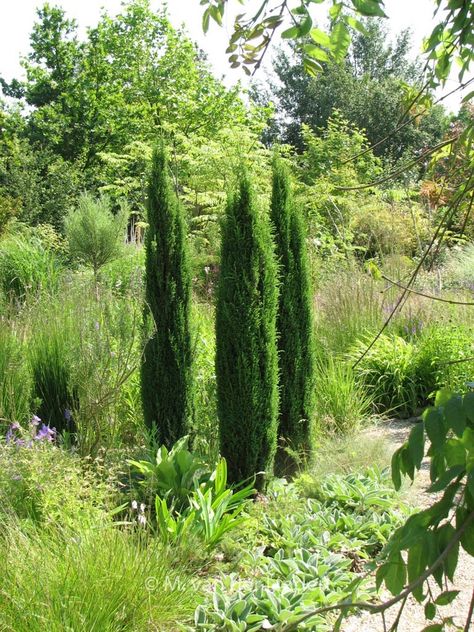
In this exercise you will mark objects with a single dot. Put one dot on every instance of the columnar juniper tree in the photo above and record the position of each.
(294, 322)
(246, 353)
(166, 378)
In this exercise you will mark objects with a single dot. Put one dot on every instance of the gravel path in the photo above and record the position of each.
(413, 619)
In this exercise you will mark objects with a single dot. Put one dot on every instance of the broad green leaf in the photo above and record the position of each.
(430, 610)
(315, 52)
(396, 574)
(369, 8)
(320, 37)
(357, 25)
(434, 425)
(455, 453)
(305, 26)
(455, 414)
(434, 627)
(396, 475)
(205, 20)
(446, 478)
(467, 538)
(444, 536)
(416, 564)
(340, 40)
(468, 405)
(290, 33)
(443, 396)
(446, 597)
(416, 444)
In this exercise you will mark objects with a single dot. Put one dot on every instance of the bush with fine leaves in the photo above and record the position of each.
(94, 233)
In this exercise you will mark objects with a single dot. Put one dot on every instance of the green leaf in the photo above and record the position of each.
(320, 37)
(446, 597)
(396, 475)
(416, 444)
(416, 564)
(340, 40)
(205, 20)
(305, 26)
(467, 538)
(315, 52)
(468, 405)
(446, 478)
(443, 396)
(430, 610)
(396, 574)
(369, 8)
(290, 33)
(455, 414)
(357, 25)
(444, 536)
(434, 426)
(434, 627)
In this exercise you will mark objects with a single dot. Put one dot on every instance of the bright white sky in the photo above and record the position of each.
(17, 17)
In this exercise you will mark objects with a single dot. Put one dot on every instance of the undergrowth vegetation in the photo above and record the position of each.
(206, 344)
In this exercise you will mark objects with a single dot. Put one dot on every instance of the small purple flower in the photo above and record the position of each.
(15, 426)
(67, 415)
(35, 420)
(20, 443)
(46, 433)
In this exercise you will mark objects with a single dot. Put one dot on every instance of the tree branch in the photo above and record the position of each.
(430, 296)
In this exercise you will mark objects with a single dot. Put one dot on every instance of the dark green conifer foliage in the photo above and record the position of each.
(166, 378)
(294, 322)
(246, 352)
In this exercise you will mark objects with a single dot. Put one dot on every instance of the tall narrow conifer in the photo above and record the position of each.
(166, 378)
(294, 322)
(246, 352)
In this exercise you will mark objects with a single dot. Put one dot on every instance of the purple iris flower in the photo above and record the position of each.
(35, 420)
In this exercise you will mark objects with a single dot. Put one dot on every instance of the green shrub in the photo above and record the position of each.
(95, 579)
(27, 267)
(125, 275)
(342, 402)
(167, 392)
(85, 351)
(388, 371)
(246, 347)
(404, 375)
(213, 510)
(294, 321)
(44, 484)
(94, 234)
(15, 381)
(443, 359)
(172, 475)
(459, 268)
